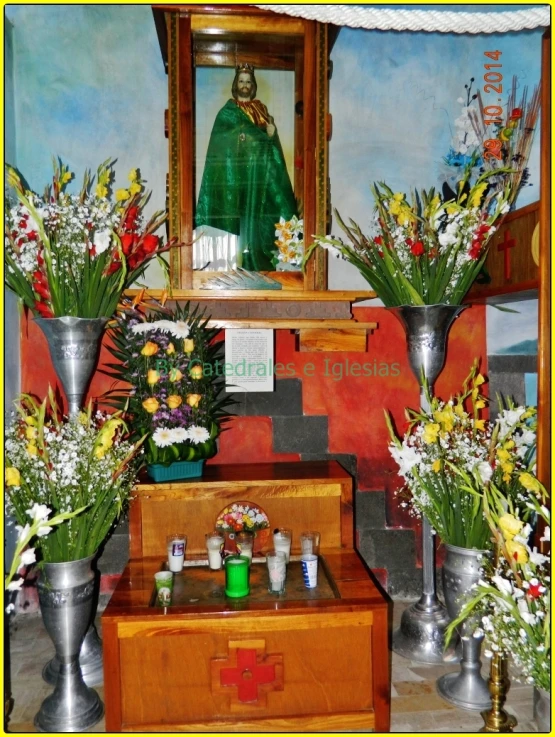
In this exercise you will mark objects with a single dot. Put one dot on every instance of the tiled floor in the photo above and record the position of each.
(416, 707)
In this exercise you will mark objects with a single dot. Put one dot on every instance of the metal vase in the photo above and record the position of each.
(421, 635)
(542, 709)
(467, 689)
(66, 595)
(74, 344)
(90, 660)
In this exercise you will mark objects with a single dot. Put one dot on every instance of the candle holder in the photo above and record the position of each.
(236, 576)
(497, 719)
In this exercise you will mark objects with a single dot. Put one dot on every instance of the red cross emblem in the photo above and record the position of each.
(251, 673)
(507, 243)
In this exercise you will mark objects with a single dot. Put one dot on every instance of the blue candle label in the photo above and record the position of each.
(178, 548)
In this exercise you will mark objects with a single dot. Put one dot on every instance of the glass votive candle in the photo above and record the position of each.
(214, 546)
(277, 571)
(244, 542)
(176, 544)
(310, 543)
(236, 576)
(282, 542)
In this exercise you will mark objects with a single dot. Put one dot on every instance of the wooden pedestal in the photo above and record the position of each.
(259, 663)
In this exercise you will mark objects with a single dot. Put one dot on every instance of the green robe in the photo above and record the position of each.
(245, 186)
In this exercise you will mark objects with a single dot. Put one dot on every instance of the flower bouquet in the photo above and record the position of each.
(450, 438)
(243, 517)
(290, 242)
(427, 251)
(171, 365)
(73, 254)
(83, 466)
(514, 596)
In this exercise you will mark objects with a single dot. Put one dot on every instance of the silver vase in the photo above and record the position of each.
(66, 595)
(542, 709)
(74, 344)
(421, 635)
(466, 689)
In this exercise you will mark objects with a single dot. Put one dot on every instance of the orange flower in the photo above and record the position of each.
(173, 401)
(149, 349)
(151, 405)
(193, 399)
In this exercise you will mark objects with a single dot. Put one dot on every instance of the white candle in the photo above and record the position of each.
(282, 544)
(214, 545)
(176, 554)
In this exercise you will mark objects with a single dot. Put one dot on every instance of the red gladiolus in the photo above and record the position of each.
(516, 114)
(127, 242)
(130, 222)
(32, 235)
(417, 248)
(44, 310)
(42, 290)
(475, 250)
(378, 240)
(380, 254)
(23, 223)
(40, 260)
(150, 243)
(114, 266)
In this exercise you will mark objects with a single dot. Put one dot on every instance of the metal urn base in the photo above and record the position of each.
(66, 596)
(90, 661)
(466, 689)
(542, 709)
(421, 636)
(73, 707)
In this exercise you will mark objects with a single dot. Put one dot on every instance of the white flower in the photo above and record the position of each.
(179, 329)
(484, 470)
(198, 434)
(28, 557)
(43, 530)
(143, 327)
(180, 435)
(546, 535)
(22, 532)
(10, 608)
(537, 558)
(101, 240)
(38, 512)
(163, 437)
(502, 584)
(405, 457)
(525, 614)
(16, 585)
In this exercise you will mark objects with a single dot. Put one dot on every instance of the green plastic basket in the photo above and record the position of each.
(175, 471)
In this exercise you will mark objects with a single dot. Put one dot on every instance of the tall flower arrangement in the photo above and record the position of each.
(290, 242)
(170, 365)
(429, 249)
(450, 437)
(513, 599)
(74, 254)
(83, 466)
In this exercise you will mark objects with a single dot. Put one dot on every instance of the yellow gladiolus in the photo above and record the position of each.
(170, 349)
(507, 467)
(174, 401)
(31, 433)
(175, 375)
(188, 345)
(151, 404)
(132, 176)
(196, 372)
(480, 424)
(503, 455)
(478, 380)
(152, 377)
(509, 444)
(122, 194)
(193, 400)
(135, 188)
(30, 420)
(101, 190)
(149, 349)
(459, 410)
(436, 466)
(445, 418)
(66, 177)
(431, 431)
(476, 197)
(510, 526)
(32, 449)
(517, 551)
(13, 477)
(479, 404)
(529, 482)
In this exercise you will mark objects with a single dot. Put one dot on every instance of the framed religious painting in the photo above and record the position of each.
(248, 129)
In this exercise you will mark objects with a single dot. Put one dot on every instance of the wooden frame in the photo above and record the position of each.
(183, 21)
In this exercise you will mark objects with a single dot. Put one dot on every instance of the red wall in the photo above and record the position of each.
(354, 404)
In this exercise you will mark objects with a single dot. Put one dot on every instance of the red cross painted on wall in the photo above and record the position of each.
(248, 675)
(507, 243)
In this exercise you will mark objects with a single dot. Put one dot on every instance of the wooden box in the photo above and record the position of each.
(259, 663)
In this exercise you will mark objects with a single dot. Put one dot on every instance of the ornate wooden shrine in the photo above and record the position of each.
(310, 661)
